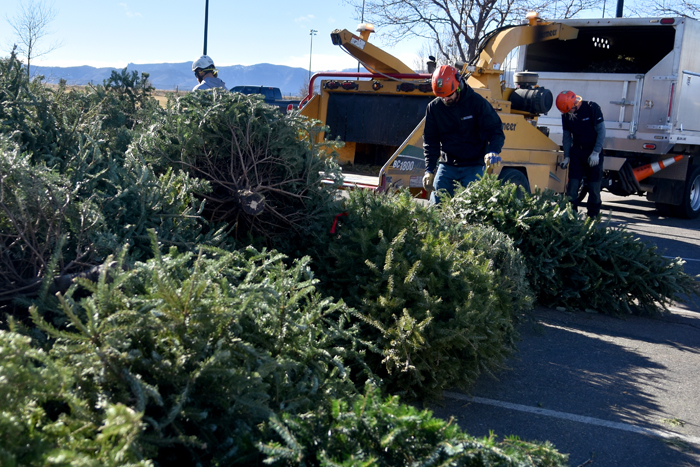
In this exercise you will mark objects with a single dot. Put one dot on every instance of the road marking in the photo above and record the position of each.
(684, 311)
(684, 259)
(575, 418)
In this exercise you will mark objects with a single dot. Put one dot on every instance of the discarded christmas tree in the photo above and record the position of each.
(265, 170)
(575, 262)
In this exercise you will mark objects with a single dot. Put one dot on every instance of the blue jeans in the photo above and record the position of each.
(447, 175)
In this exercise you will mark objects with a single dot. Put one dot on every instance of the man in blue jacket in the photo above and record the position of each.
(462, 134)
(583, 137)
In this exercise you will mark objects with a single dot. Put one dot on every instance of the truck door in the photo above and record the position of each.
(689, 104)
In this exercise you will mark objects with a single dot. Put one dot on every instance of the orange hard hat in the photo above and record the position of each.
(566, 100)
(445, 81)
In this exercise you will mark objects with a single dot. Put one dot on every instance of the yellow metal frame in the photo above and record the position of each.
(374, 58)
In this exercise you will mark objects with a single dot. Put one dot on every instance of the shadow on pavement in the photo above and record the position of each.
(618, 370)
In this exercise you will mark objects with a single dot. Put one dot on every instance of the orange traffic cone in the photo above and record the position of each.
(644, 171)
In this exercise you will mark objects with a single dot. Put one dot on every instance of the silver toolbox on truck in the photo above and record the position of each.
(645, 75)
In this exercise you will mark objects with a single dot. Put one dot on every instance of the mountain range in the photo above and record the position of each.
(174, 76)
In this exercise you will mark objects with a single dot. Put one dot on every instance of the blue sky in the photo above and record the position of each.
(115, 33)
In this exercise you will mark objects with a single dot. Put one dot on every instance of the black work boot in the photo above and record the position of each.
(593, 209)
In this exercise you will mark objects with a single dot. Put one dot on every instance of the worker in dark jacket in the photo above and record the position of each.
(583, 138)
(462, 134)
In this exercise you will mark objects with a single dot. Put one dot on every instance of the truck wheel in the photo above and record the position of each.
(690, 207)
(664, 209)
(516, 177)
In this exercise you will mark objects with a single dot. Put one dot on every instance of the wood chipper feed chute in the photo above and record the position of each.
(379, 115)
(486, 69)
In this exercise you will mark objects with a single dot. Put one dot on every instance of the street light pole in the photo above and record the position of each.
(620, 7)
(206, 25)
(312, 33)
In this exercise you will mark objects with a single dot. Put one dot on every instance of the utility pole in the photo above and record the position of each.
(312, 33)
(206, 25)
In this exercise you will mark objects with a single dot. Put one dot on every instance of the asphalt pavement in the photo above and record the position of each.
(607, 391)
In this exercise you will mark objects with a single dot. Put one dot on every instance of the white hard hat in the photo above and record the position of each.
(203, 62)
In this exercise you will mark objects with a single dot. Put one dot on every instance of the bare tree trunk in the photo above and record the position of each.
(30, 26)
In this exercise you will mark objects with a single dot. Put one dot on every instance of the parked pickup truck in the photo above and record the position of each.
(273, 96)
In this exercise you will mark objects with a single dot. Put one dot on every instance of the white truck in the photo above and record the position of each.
(645, 75)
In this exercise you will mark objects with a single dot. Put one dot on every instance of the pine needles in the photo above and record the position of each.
(572, 260)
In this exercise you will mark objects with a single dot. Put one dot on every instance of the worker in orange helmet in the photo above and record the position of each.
(462, 134)
(583, 138)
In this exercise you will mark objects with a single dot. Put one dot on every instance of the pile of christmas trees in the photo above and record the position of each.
(180, 286)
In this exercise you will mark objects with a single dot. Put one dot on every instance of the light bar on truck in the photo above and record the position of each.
(425, 87)
(347, 85)
(663, 20)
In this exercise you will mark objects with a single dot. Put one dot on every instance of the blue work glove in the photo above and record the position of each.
(428, 181)
(594, 159)
(492, 159)
(564, 163)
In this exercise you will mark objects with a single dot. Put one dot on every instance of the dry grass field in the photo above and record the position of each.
(162, 95)
(159, 94)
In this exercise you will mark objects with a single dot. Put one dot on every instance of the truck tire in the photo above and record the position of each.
(690, 207)
(664, 209)
(517, 178)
